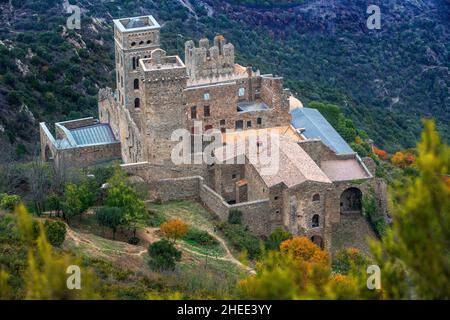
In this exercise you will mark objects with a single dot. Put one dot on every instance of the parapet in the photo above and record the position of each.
(209, 61)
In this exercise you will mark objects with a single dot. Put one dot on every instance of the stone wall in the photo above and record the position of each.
(206, 61)
(124, 127)
(256, 215)
(82, 156)
(175, 189)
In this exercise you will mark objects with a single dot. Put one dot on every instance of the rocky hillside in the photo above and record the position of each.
(385, 80)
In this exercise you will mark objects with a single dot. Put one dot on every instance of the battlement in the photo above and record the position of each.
(209, 61)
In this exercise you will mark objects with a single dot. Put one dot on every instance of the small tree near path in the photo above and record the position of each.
(174, 229)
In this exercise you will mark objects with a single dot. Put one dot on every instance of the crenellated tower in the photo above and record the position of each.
(209, 61)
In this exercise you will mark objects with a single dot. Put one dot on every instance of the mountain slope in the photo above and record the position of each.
(385, 80)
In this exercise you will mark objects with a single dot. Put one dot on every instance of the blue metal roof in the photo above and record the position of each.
(317, 127)
(95, 134)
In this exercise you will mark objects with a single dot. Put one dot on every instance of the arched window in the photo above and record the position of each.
(316, 197)
(315, 221)
(137, 103)
(136, 84)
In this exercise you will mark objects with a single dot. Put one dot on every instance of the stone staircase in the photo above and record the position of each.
(353, 231)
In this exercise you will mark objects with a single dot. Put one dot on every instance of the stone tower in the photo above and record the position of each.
(135, 38)
(209, 61)
(164, 80)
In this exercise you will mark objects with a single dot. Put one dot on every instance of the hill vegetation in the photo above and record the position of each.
(384, 80)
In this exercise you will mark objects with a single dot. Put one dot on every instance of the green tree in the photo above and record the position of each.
(9, 202)
(78, 198)
(163, 255)
(54, 203)
(109, 217)
(56, 232)
(414, 255)
(276, 238)
(122, 195)
(72, 205)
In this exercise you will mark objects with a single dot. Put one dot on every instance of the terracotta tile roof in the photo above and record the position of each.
(291, 165)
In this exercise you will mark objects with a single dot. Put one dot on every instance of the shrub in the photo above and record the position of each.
(235, 217)
(110, 217)
(199, 237)
(9, 202)
(347, 258)
(54, 203)
(276, 238)
(155, 219)
(241, 239)
(305, 250)
(56, 232)
(174, 229)
(163, 255)
(134, 240)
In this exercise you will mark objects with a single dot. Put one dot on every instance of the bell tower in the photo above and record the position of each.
(135, 38)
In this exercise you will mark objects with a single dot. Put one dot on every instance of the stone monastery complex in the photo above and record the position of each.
(318, 188)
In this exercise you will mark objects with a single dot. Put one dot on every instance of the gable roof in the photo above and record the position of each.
(293, 166)
(317, 127)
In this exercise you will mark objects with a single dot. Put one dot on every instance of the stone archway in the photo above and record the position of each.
(351, 201)
(317, 240)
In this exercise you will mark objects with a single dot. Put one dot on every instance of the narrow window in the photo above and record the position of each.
(239, 125)
(241, 92)
(206, 96)
(222, 122)
(315, 221)
(316, 197)
(134, 63)
(193, 112)
(206, 111)
(136, 84)
(259, 121)
(137, 103)
(249, 124)
(233, 176)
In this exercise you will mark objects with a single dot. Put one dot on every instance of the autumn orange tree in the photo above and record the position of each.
(383, 155)
(174, 229)
(403, 159)
(301, 270)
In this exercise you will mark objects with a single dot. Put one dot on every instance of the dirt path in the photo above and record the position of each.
(149, 235)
